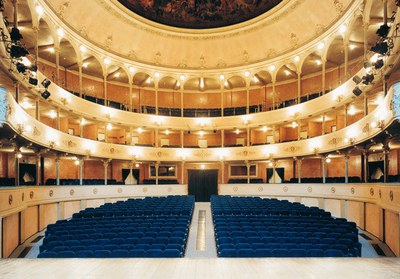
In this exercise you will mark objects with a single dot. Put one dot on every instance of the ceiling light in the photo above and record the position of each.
(39, 10)
(139, 130)
(83, 121)
(51, 49)
(201, 133)
(109, 126)
(137, 165)
(237, 131)
(272, 68)
(287, 72)
(148, 80)
(84, 65)
(342, 29)
(270, 164)
(83, 48)
(296, 58)
(19, 156)
(107, 61)
(318, 62)
(351, 46)
(77, 163)
(167, 132)
(117, 75)
(351, 110)
(202, 166)
(255, 79)
(221, 77)
(328, 160)
(182, 77)
(52, 114)
(264, 128)
(226, 83)
(320, 46)
(246, 73)
(60, 32)
(157, 74)
(46, 83)
(132, 69)
(294, 124)
(201, 83)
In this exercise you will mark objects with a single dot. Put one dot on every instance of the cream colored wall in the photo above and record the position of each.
(29, 222)
(373, 220)
(392, 231)
(355, 213)
(11, 231)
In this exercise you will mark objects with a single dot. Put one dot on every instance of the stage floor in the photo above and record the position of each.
(202, 268)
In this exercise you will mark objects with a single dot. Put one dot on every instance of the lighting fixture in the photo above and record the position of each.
(139, 130)
(328, 160)
(157, 74)
(137, 165)
(167, 132)
(45, 95)
(380, 48)
(318, 62)
(182, 77)
(357, 91)
(383, 30)
(201, 83)
(117, 75)
(15, 35)
(342, 29)
(247, 73)
(83, 122)
(221, 77)
(148, 80)
(264, 128)
(255, 79)
(320, 46)
(294, 124)
(39, 10)
(83, 48)
(287, 72)
(51, 49)
(109, 126)
(368, 78)
(272, 68)
(17, 51)
(351, 46)
(226, 83)
(52, 114)
(85, 65)
(296, 58)
(270, 164)
(19, 155)
(107, 61)
(77, 163)
(60, 32)
(351, 110)
(237, 131)
(202, 166)
(132, 69)
(46, 83)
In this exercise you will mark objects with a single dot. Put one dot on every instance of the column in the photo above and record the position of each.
(324, 124)
(16, 84)
(37, 110)
(222, 172)
(248, 172)
(247, 136)
(274, 133)
(346, 59)
(247, 96)
(58, 170)
(365, 105)
(105, 89)
(38, 168)
(156, 138)
(273, 93)
(181, 91)
(346, 115)
(365, 26)
(222, 97)
(130, 94)
(273, 171)
(16, 166)
(57, 53)
(298, 86)
(386, 151)
(182, 172)
(222, 138)
(299, 163)
(156, 166)
(81, 127)
(323, 160)
(80, 79)
(346, 168)
(105, 164)
(130, 171)
(81, 161)
(366, 169)
(182, 139)
(36, 32)
(58, 120)
(323, 61)
(298, 129)
(156, 88)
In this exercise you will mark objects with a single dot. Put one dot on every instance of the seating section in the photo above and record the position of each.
(255, 227)
(244, 180)
(4, 181)
(341, 179)
(53, 181)
(149, 227)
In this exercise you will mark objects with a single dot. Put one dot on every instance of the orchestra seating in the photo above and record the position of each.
(149, 227)
(255, 227)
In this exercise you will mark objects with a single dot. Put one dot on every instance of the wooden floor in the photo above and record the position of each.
(201, 268)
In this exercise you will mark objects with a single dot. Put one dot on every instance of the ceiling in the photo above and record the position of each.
(199, 14)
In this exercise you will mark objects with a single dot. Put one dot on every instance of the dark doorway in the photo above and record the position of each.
(134, 179)
(203, 184)
(376, 171)
(279, 175)
(27, 174)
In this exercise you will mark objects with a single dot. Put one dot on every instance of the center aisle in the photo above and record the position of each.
(210, 251)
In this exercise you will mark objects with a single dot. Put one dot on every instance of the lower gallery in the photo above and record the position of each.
(197, 138)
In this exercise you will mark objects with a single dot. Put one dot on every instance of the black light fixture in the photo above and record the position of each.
(383, 30)
(21, 68)
(381, 48)
(357, 91)
(368, 78)
(15, 35)
(45, 95)
(17, 51)
(46, 83)
(357, 79)
(378, 64)
(33, 81)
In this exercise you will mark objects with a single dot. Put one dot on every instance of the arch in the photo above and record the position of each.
(261, 78)
(116, 73)
(312, 63)
(196, 84)
(286, 72)
(235, 81)
(142, 79)
(168, 82)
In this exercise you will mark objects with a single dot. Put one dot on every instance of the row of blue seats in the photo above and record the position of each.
(280, 253)
(120, 253)
(162, 235)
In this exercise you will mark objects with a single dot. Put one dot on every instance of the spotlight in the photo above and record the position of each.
(379, 64)
(46, 83)
(33, 81)
(21, 68)
(357, 79)
(381, 48)
(46, 94)
(368, 78)
(383, 30)
(15, 35)
(18, 51)
(357, 91)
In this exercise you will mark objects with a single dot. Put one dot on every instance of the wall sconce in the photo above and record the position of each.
(52, 144)
(20, 128)
(339, 98)
(316, 150)
(64, 101)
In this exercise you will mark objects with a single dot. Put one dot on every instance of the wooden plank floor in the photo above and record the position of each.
(201, 268)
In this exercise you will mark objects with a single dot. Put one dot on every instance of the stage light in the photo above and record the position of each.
(357, 91)
(18, 51)
(21, 68)
(15, 35)
(379, 64)
(368, 78)
(383, 30)
(33, 81)
(45, 95)
(381, 48)
(46, 83)
(357, 79)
